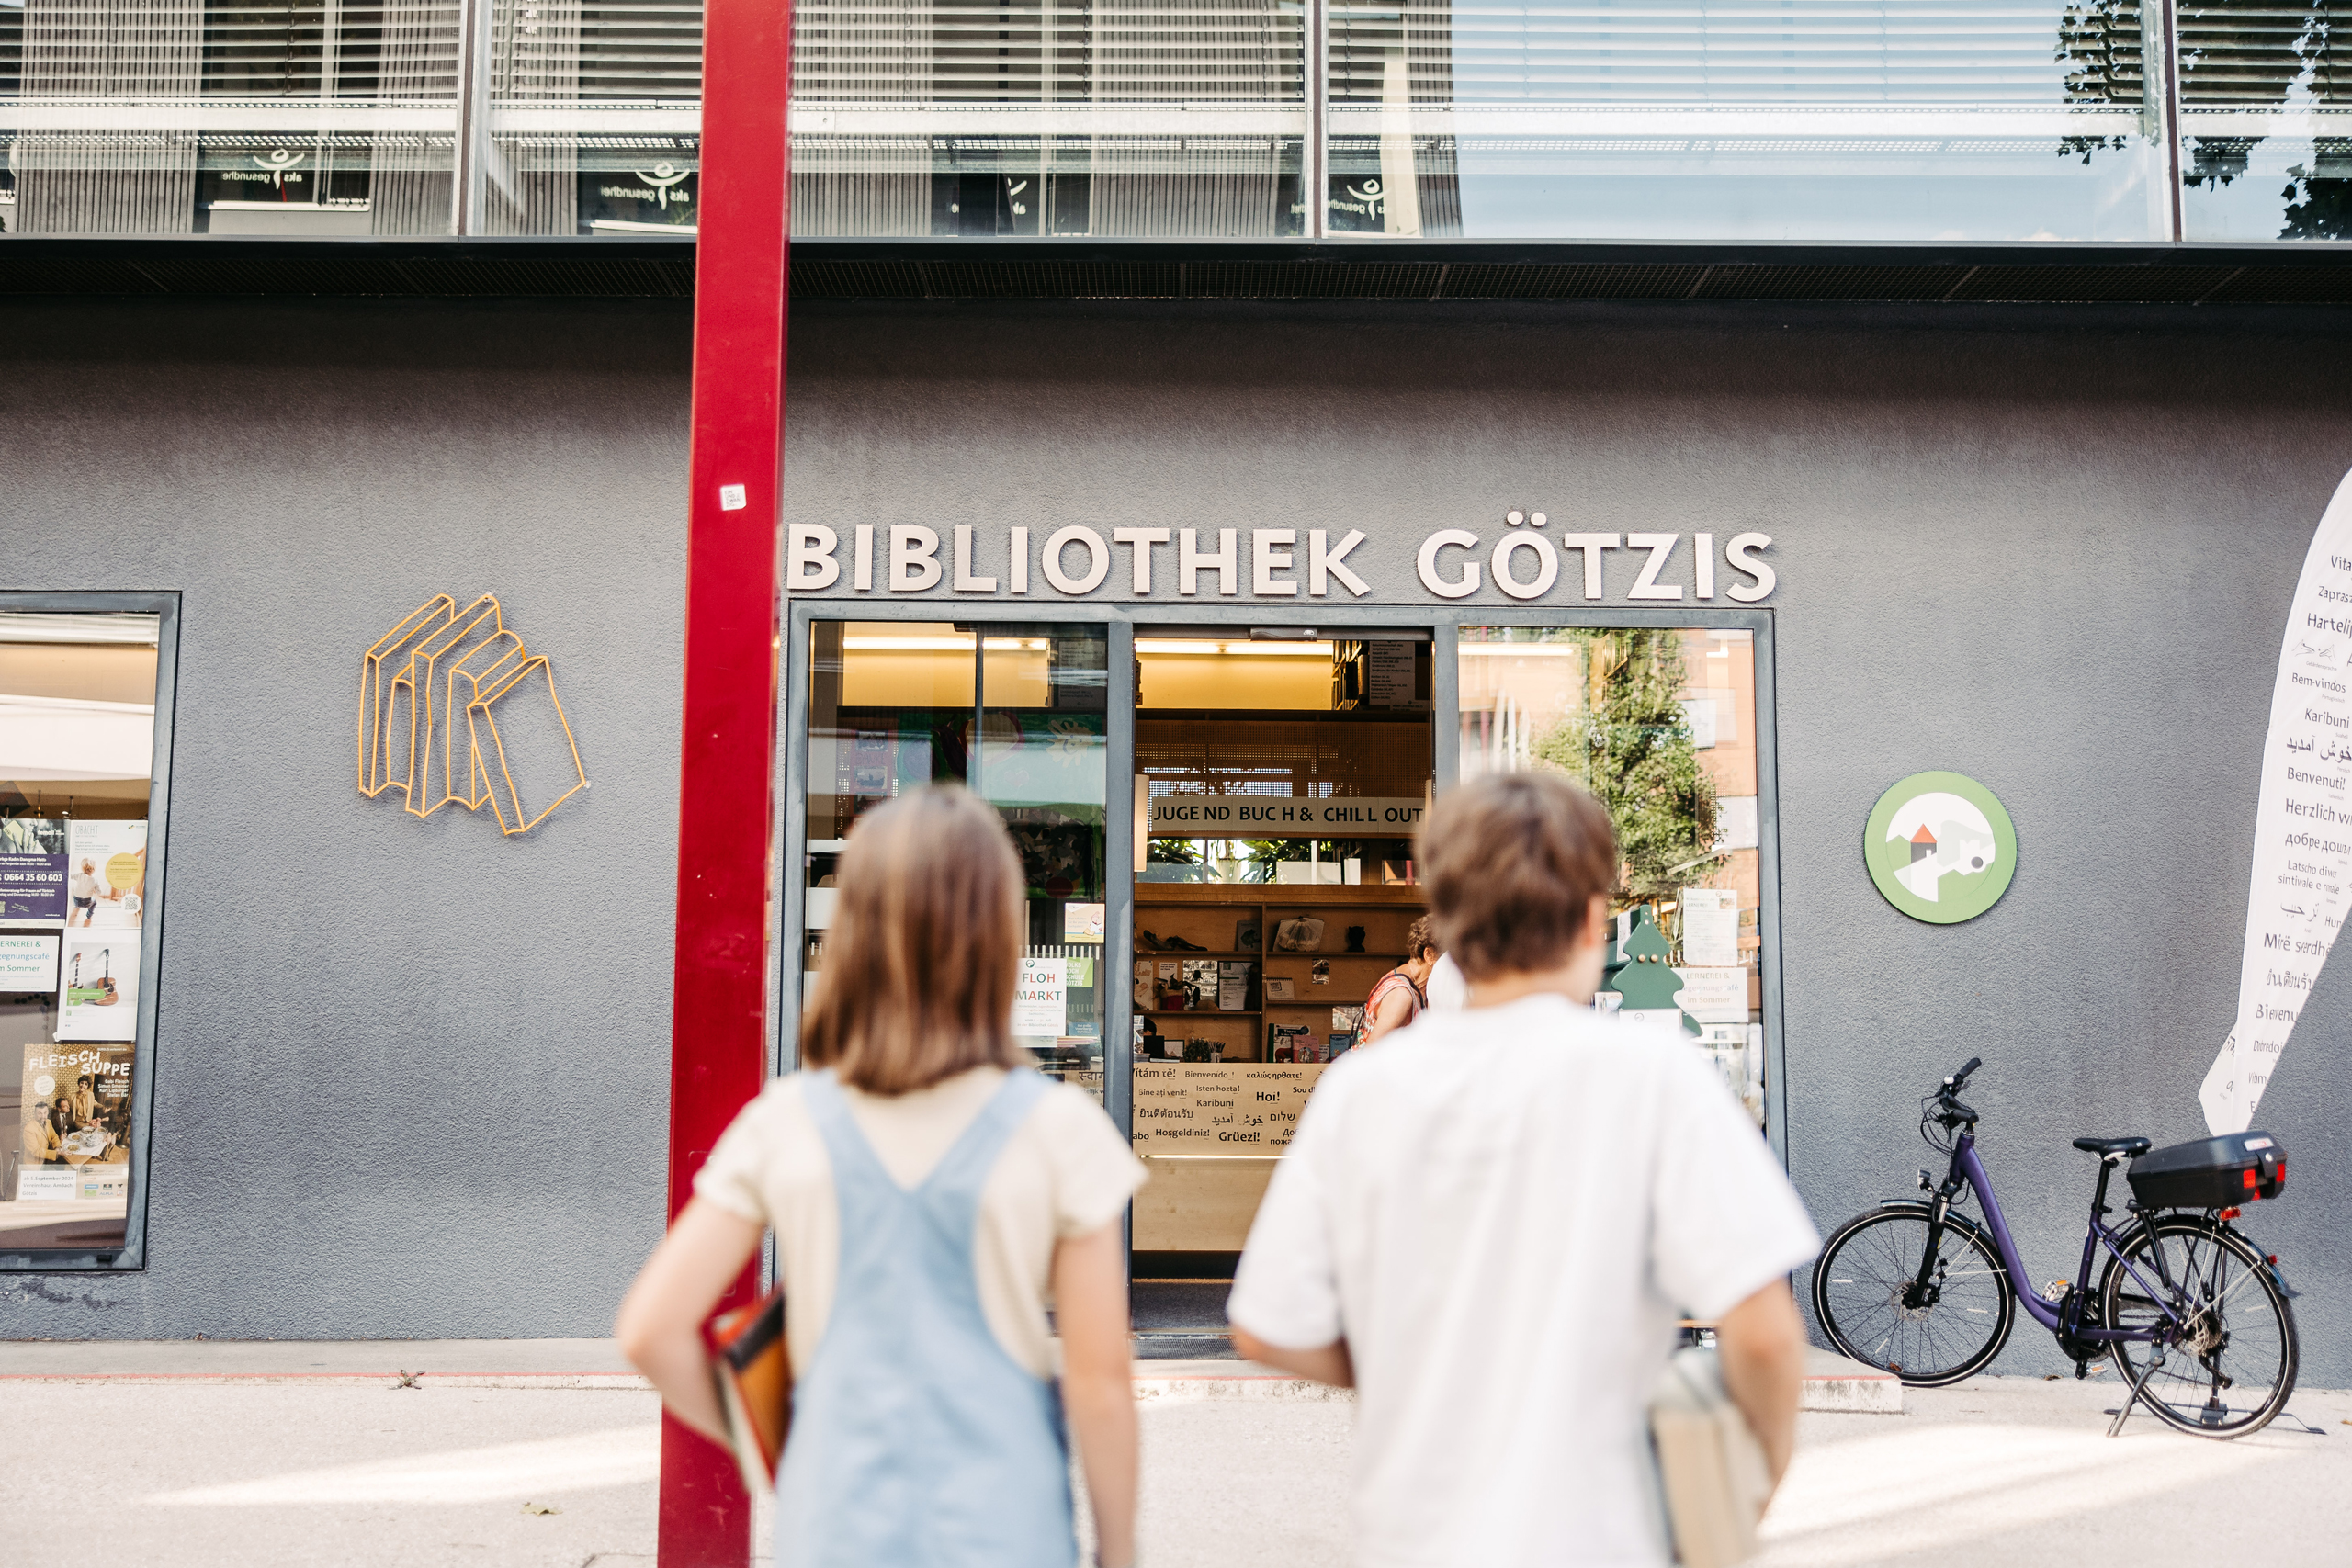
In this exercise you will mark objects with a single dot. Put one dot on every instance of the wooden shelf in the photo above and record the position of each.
(1201, 1012)
(1188, 953)
(1277, 895)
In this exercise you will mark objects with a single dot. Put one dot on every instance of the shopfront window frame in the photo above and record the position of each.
(1123, 619)
(132, 1256)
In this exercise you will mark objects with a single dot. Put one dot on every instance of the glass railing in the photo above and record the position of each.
(1566, 119)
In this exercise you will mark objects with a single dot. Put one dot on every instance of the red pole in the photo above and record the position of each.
(735, 468)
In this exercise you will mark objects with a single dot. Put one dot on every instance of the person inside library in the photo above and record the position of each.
(1402, 995)
(930, 1192)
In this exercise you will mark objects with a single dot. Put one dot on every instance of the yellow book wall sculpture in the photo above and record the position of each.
(453, 709)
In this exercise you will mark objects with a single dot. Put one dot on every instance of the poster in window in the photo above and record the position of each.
(29, 962)
(97, 986)
(106, 874)
(1711, 926)
(1041, 998)
(32, 868)
(74, 1128)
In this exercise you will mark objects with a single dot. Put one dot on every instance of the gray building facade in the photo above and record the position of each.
(409, 1078)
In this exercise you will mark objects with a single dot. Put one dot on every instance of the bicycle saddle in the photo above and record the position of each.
(2135, 1147)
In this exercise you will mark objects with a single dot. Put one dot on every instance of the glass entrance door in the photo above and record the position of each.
(1017, 713)
(1278, 782)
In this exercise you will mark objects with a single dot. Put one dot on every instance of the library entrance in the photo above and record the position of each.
(1216, 825)
(1279, 778)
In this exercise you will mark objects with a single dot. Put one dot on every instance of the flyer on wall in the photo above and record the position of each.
(74, 1128)
(97, 989)
(106, 874)
(32, 868)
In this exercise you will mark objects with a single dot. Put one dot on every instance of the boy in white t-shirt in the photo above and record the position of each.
(1490, 1226)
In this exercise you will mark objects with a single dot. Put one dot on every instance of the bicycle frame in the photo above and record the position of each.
(1967, 1166)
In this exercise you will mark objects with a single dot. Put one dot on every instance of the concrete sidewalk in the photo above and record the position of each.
(247, 1457)
(1832, 1382)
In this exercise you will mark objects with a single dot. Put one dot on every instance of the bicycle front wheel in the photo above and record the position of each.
(1868, 1294)
(2233, 1367)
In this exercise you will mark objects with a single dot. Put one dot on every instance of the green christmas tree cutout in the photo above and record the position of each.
(1647, 980)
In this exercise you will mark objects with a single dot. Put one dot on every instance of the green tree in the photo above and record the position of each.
(1632, 746)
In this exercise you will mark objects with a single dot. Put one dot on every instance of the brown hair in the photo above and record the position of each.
(1422, 939)
(925, 948)
(1513, 862)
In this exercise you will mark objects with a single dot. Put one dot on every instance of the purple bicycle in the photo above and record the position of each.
(2194, 1314)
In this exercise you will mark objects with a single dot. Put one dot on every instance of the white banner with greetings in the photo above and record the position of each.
(2303, 830)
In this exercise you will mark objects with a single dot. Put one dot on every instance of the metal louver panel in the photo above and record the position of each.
(1155, 50)
(2259, 55)
(1167, 51)
(849, 51)
(962, 51)
(1754, 52)
(106, 182)
(409, 184)
(649, 51)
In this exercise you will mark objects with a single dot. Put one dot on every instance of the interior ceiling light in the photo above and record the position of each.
(1283, 649)
(1521, 649)
(907, 644)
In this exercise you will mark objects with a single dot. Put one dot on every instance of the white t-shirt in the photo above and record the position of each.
(1448, 990)
(1065, 1172)
(1504, 1212)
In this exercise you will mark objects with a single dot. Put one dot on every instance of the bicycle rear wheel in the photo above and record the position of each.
(1866, 1295)
(2236, 1368)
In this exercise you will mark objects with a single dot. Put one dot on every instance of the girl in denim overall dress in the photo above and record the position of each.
(930, 1192)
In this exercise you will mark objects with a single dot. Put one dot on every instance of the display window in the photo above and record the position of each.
(1660, 723)
(1018, 714)
(82, 759)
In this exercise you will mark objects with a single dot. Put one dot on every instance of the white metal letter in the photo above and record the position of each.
(813, 566)
(1740, 553)
(1547, 564)
(914, 559)
(1190, 561)
(1591, 545)
(866, 558)
(1647, 586)
(1425, 563)
(1323, 562)
(1270, 553)
(1139, 542)
(1702, 557)
(1098, 559)
(964, 582)
(1020, 560)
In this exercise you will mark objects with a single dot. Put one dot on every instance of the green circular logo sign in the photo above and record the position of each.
(1940, 848)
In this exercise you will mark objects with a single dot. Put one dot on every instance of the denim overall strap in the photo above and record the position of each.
(917, 1442)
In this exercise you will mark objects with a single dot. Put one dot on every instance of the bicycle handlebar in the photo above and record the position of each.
(1948, 1096)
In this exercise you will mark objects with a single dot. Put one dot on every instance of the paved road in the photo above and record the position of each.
(257, 1474)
